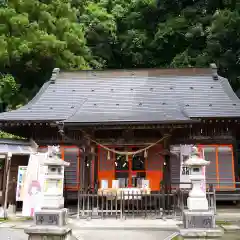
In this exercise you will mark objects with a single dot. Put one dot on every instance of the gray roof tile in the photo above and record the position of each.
(143, 97)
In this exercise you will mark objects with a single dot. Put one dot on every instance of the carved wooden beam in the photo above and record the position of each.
(128, 134)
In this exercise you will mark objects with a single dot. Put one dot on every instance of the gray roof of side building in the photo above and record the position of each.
(88, 97)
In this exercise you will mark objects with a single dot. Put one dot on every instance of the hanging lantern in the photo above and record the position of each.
(145, 154)
(126, 157)
(108, 156)
(92, 149)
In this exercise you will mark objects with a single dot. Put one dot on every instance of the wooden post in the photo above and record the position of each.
(81, 178)
(9, 158)
(4, 181)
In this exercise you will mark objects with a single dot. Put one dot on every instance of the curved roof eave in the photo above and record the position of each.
(144, 97)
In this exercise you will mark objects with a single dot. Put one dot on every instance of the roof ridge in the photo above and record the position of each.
(39, 93)
(228, 89)
(136, 73)
(134, 69)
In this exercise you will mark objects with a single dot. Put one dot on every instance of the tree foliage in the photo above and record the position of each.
(38, 35)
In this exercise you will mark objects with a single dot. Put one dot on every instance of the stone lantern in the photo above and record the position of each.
(53, 181)
(50, 221)
(198, 219)
(197, 197)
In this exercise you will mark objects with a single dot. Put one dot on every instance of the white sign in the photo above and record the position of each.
(20, 183)
(203, 184)
(115, 183)
(145, 184)
(104, 184)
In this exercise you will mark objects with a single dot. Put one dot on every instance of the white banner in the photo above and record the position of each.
(185, 151)
(33, 185)
(22, 170)
(203, 184)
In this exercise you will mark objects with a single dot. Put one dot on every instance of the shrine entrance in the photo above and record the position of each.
(144, 169)
(130, 170)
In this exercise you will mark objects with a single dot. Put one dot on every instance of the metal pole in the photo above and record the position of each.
(9, 157)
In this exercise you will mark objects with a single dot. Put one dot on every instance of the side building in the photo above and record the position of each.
(100, 117)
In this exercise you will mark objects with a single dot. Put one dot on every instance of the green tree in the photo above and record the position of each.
(100, 27)
(223, 44)
(38, 35)
(9, 90)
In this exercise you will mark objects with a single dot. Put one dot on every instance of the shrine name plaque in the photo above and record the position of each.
(47, 219)
(199, 220)
(57, 217)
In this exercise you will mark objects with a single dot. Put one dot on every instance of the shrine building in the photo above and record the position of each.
(134, 125)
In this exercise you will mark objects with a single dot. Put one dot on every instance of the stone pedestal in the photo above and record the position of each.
(51, 217)
(198, 219)
(49, 233)
(201, 233)
(194, 204)
(50, 225)
(200, 225)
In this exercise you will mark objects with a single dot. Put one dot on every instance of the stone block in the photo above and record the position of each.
(53, 202)
(201, 233)
(197, 204)
(48, 233)
(230, 228)
(201, 219)
(55, 217)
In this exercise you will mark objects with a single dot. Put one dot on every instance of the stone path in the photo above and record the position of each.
(129, 224)
(121, 234)
(100, 229)
(12, 234)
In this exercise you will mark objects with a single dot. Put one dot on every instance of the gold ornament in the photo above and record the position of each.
(108, 156)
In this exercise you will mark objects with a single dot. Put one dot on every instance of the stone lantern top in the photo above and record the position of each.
(195, 159)
(53, 157)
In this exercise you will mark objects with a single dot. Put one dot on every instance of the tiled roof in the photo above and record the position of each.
(131, 96)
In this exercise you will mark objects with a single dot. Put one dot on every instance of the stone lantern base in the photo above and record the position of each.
(50, 224)
(200, 225)
(198, 219)
(49, 233)
(201, 233)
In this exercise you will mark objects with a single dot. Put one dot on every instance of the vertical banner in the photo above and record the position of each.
(185, 151)
(33, 185)
(203, 183)
(22, 170)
